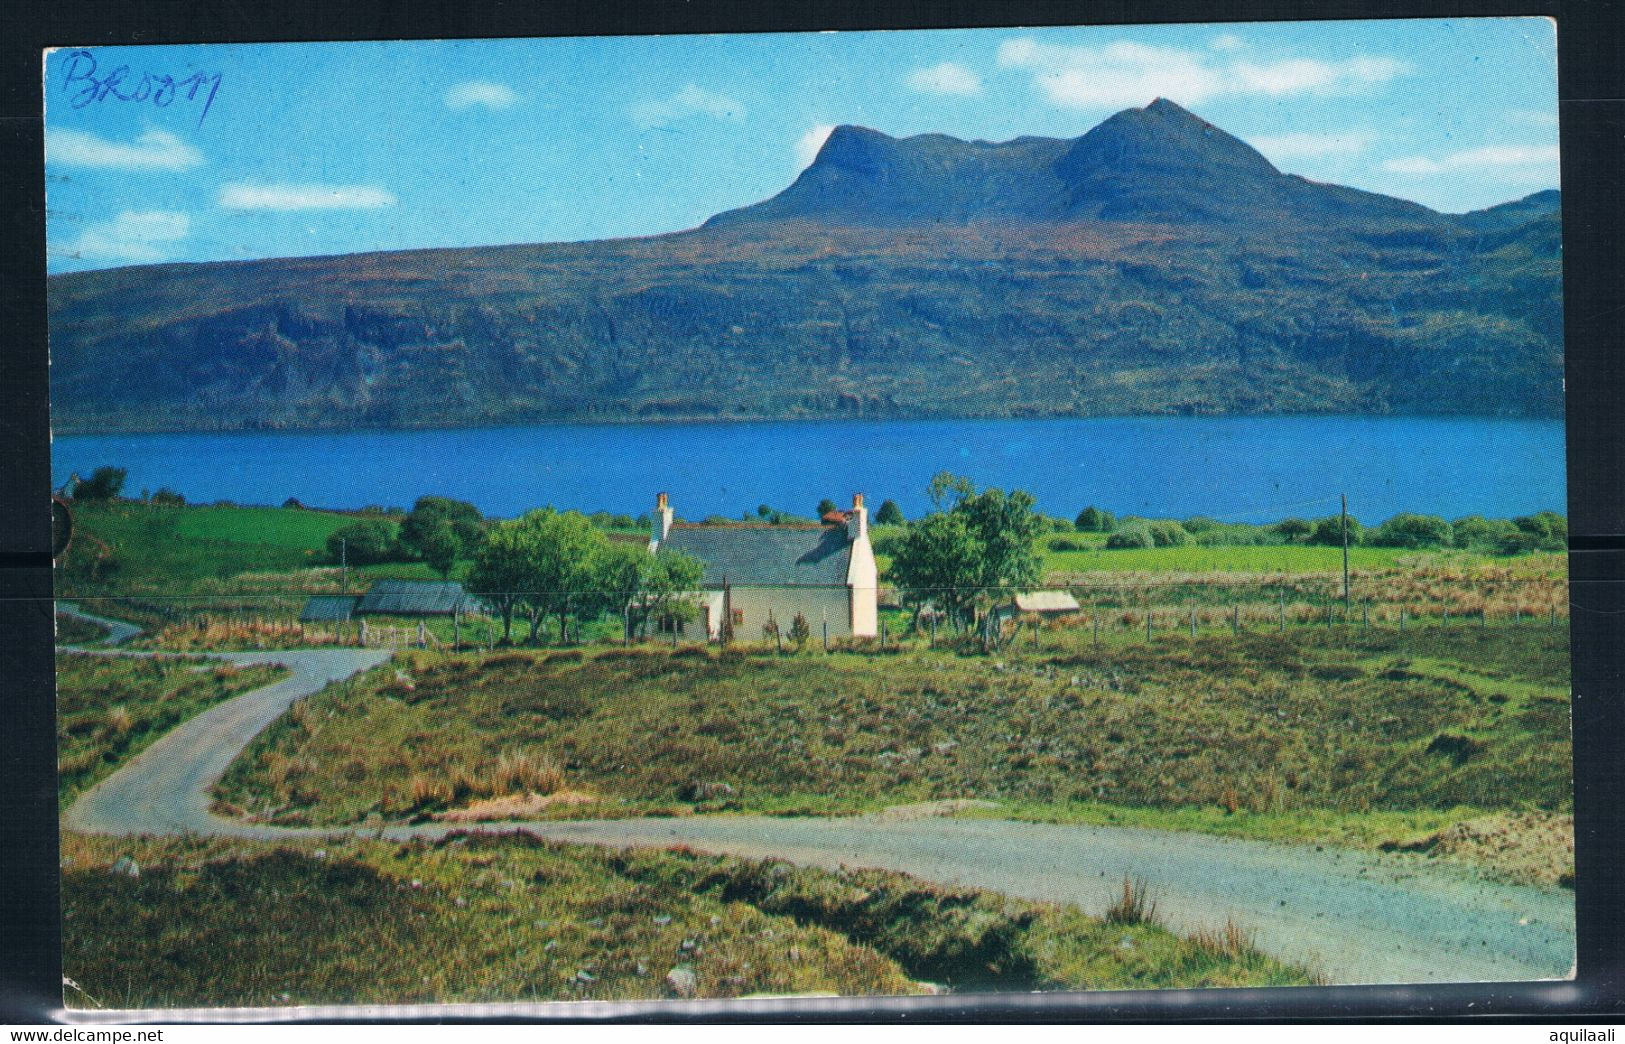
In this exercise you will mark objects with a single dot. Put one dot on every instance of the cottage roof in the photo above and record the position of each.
(417, 598)
(778, 556)
(328, 608)
(1046, 602)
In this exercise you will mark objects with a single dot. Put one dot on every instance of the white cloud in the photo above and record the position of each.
(1279, 147)
(134, 235)
(1228, 42)
(243, 196)
(481, 93)
(946, 78)
(1127, 73)
(808, 144)
(152, 150)
(690, 101)
(1517, 161)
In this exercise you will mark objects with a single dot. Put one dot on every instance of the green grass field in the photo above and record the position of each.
(1318, 725)
(111, 708)
(480, 918)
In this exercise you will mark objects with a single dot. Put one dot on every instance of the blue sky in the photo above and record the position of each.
(272, 150)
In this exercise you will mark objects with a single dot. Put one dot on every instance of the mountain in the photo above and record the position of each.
(1153, 265)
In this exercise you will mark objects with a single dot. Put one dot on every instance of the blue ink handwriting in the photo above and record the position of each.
(84, 86)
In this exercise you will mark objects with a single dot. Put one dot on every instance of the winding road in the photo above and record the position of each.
(1358, 918)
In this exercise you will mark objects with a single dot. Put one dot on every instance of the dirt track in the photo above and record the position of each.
(1356, 917)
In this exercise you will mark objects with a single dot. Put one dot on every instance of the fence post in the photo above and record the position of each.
(933, 629)
(883, 634)
(1365, 616)
(1402, 619)
(1446, 618)
(1235, 619)
(826, 630)
(1483, 616)
(1193, 621)
(1094, 619)
(1148, 625)
(1283, 608)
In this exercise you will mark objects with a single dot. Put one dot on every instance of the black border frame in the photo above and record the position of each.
(1591, 37)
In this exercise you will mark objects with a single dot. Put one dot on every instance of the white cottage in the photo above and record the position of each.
(757, 573)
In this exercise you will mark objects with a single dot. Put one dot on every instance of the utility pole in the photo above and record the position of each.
(1348, 605)
(344, 566)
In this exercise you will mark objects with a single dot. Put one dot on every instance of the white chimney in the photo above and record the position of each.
(662, 520)
(857, 520)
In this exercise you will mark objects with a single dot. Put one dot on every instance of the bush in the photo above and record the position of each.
(1093, 520)
(1063, 544)
(1408, 530)
(1549, 529)
(1198, 524)
(104, 484)
(1291, 530)
(1329, 531)
(366, 542)
(1135, 534)
(168, 498)
(1168, 533)
(890, 514)
(1482, 534)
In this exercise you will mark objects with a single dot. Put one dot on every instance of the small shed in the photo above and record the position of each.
(329, 609)
(1046, 603)
(417, 598)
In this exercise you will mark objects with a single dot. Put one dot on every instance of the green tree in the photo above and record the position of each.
(366, 542)
(433, 519)
(1410, 530)
(503, 569)
(826, 506)
(1328, 531)
(646, 588)
(1168, 533)
(1093, 520)
(104, 484)
(890, 514)
(564, 550)
(439, 548)
(976, 545)
(1549, 530)
(1291, 530)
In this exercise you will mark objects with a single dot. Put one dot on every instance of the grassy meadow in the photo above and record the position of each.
(111, 708)
(1443, 733)
(480, 918)
(1306, 734)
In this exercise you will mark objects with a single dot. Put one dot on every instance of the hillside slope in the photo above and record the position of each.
(1154, 265)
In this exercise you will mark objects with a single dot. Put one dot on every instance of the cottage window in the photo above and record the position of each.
(739, 617)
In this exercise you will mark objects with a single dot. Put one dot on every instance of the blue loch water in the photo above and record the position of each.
(1245, 469)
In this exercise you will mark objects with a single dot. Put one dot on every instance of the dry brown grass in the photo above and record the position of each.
(1135, 906)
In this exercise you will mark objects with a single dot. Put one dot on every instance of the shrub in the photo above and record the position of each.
(1550, 530)
(1063, 544)
(168, 497)
(890, 514)
(1093, 520)
(800, 630)
(1291, 530)
(1482, 534)
(1329, 531)
(104, 484)
(1200, 524)
(363, 543)
(1135, 534)
(1168, 533)
(1409, 530)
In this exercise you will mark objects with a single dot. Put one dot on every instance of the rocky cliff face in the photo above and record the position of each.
(1154, 265)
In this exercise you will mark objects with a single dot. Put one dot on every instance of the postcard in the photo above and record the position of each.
(858, 514)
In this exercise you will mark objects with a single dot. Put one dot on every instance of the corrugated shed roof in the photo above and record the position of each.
(327, 608)
(778, 556)
(1046, 602)
(417, 598)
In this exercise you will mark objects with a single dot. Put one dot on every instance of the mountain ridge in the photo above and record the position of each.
(1154, 264)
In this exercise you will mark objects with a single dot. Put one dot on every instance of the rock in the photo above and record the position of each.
(663, 919)
(585, 976)
(126, 866)
(706, 791)
(682, 982)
